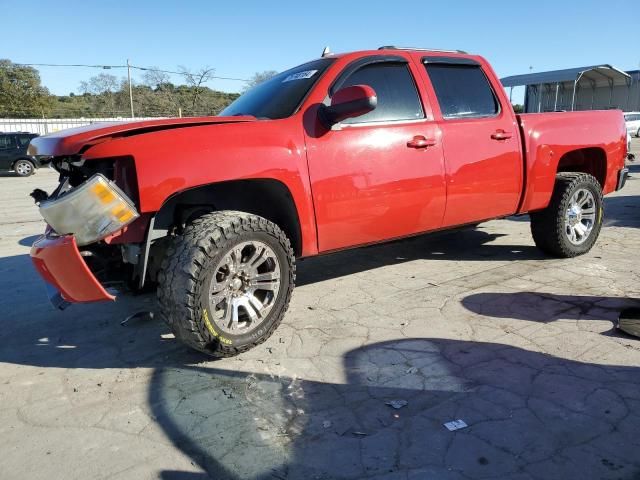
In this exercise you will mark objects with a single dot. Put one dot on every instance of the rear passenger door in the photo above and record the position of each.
(483, 161)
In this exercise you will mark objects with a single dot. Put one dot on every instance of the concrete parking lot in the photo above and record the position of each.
(380, 348)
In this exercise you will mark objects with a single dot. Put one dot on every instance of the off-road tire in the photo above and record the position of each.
(192, 256)
(24, 167)
(548, 225)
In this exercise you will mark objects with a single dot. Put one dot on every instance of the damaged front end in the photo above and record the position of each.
(94, 230)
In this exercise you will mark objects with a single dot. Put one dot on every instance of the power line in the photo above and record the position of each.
(105, 67)
(188, 74)
(109, 67)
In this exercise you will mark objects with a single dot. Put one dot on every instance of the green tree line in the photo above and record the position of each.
(23, 96)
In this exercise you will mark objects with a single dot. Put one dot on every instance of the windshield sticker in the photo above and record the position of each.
(300, 75)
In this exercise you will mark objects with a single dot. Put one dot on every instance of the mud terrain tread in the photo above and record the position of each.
(547, 226)
(179, 276)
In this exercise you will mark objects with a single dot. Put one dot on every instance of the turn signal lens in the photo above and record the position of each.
(91, 211)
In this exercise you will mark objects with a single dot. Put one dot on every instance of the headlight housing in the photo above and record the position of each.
(91, 211)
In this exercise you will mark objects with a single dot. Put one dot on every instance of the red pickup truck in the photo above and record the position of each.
(345, 150)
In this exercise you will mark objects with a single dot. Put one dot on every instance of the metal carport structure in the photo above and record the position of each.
(561, 89)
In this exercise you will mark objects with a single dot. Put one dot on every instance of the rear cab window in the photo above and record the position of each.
(462, 88)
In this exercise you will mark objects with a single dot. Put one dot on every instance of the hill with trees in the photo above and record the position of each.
(105, 95)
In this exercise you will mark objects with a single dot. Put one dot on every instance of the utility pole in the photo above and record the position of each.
(130, 88)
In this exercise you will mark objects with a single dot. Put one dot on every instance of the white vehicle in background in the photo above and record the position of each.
(632, 121)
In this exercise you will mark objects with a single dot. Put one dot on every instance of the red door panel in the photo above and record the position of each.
(480, 138)
(368, 185)
(483, 173)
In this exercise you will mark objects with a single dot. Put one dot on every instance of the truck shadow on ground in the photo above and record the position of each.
(547, 307)
(622, 211)
(463, 244)
(529, 415)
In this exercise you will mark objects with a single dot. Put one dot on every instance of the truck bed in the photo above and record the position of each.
(548, 137)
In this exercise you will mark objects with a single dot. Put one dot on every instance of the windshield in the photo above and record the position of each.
(280, 96)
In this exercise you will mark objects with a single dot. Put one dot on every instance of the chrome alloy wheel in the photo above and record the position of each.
(24, 169)
(580, 216)
(244, 287)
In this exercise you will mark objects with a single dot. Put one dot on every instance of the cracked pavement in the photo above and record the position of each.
(474, 325)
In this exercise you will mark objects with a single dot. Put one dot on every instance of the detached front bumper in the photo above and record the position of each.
(65, 272)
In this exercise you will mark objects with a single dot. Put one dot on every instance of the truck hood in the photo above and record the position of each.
(73, 141)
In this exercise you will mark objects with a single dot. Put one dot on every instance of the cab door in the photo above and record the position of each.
(381, 175)
(484, 166)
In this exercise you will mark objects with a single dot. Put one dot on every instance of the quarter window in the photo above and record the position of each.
(463, 91)
(396, 91)
(23, 140)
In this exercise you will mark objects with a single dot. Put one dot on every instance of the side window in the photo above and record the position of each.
(23, 140)
(397, 94)
(6, 142)
(463, 91)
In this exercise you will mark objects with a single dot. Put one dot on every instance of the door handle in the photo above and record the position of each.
(420, 141)
(501, 135)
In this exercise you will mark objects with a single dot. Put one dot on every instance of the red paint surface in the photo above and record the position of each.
(362, 184)
(59, 262)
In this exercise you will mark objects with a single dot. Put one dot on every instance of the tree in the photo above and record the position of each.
(154, 78)
(102, 83)
(163, 98)
(103, 88)
(260, 77)
(21, 94)
(195, 81)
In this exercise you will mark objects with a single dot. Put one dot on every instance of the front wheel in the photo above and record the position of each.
(571, 223)
(226, 282)
(24, 168)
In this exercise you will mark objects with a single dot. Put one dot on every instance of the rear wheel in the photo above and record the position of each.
(571, 223)
(24, 168)
(225, 284)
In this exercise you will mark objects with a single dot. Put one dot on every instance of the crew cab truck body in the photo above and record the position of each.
(342, 151)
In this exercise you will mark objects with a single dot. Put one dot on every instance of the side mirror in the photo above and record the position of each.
(349, 102)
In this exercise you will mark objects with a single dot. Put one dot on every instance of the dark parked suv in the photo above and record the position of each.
(13, 153)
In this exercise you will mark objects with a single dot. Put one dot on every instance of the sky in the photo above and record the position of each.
(240, 38)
